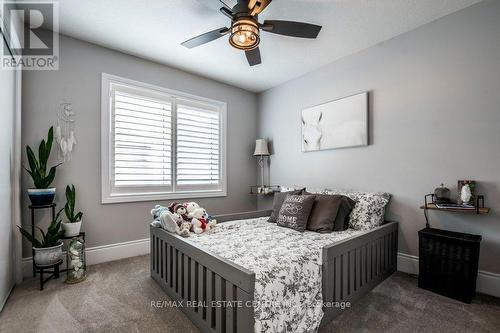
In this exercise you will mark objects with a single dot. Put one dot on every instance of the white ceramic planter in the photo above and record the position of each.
(71, 229)
(48, 255)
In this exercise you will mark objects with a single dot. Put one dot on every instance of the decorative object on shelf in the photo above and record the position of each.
(442, 194)
(41, 194)
(75, 261)
(338, 124)
(73, 225)
(65, 131)
(265, 190)
(466, 192)
(448, 263)
(48, 250)
(261, 150)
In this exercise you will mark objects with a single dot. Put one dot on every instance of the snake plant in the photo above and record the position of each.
(38, 167)
(69, 208)
(49, 238)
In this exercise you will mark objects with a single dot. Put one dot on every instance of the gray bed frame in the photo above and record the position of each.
(202, 281)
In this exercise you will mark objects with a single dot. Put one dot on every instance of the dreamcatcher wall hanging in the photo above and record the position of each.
(65, 131)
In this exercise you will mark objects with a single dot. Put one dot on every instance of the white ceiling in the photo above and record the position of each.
(153, 29)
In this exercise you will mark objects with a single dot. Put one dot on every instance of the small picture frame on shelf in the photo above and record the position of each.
(466, 192)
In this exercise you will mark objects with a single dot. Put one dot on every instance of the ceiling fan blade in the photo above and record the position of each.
(227, 12)
(214, 4)
(205, 38)
(291, 28)
(253, 57)
(257, 6)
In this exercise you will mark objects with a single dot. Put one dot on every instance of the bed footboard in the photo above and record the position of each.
(353, 267)
(213, 292)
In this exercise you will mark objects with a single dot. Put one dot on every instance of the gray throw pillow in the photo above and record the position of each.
(343, 215)
(279, 197)
(295, 211)
(330, 213)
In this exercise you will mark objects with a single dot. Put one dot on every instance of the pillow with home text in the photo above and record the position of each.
(295, 211)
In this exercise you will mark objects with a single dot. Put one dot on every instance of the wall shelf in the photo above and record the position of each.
(480, 210)
(264, 190)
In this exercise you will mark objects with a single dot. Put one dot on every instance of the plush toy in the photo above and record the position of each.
(174, 223)
(190, 207)
(211, 222)
(176, 207)
(181, 219)
(156, 212)
(198, 226)
(171, 207)
(201, 220)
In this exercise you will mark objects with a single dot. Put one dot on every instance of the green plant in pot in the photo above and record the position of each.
(48, 250)
(42, 194)
(72, 226)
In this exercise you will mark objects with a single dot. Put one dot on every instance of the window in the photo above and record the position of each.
(160, 144)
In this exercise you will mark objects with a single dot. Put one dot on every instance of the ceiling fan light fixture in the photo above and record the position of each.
(245, 34)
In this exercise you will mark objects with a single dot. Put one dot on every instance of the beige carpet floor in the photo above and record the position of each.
(116, 297)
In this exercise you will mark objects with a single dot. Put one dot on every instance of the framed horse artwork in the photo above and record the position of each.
(340, 123)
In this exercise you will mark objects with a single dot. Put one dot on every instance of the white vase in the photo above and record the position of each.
(45, 256)
(71, 229)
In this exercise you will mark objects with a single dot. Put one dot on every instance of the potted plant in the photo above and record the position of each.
(48, 250)
(72, 226)
(41, 194)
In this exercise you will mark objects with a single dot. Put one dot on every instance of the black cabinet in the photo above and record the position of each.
(448, 263)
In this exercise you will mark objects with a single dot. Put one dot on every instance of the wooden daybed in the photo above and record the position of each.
(186, 272)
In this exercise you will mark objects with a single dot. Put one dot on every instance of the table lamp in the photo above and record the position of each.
(261, 150)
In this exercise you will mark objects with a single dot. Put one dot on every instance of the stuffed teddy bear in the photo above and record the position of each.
(176, 207)
(200, 221)
(190, 207)
(174, 223)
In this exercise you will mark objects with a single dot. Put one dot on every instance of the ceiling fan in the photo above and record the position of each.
(245, 27)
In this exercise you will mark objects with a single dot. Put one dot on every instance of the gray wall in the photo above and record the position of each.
(435, 119)
(79, 81)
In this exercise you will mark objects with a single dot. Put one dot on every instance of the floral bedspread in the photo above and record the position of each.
(287, 266)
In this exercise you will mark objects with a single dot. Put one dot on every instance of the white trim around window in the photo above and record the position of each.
(191, 128)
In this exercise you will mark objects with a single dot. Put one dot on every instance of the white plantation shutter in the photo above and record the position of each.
(198, 146)
(160, 144)
(142, 140)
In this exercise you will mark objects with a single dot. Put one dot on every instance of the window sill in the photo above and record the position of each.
(132, 197)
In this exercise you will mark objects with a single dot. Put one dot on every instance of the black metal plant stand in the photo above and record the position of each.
(53, 269)
(33, 208)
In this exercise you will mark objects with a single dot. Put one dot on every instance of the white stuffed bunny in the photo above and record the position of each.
(174, 223)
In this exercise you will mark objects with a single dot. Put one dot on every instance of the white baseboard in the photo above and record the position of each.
(487, 282)
(99, 254)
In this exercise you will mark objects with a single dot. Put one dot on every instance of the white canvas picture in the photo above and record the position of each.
(337, 124)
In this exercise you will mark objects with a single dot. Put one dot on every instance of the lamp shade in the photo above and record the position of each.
(261, 147)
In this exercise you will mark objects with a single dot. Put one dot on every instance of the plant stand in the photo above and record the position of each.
(46, 269)
(33, 208)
